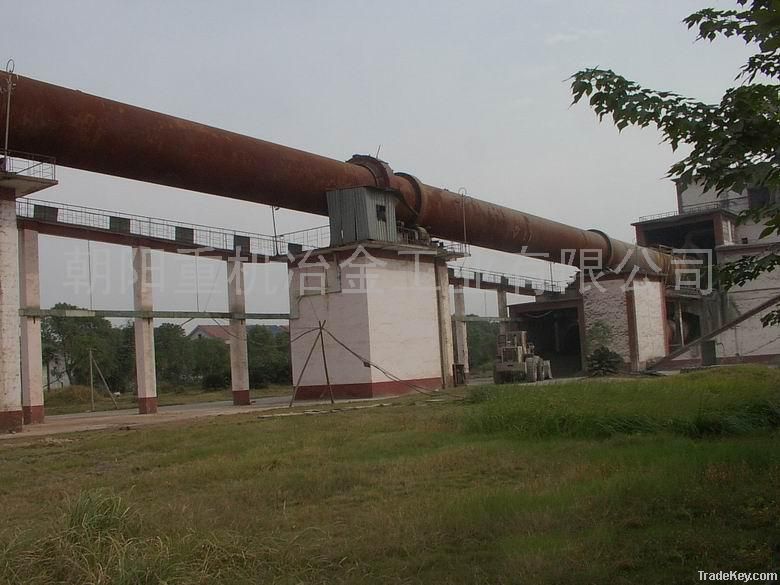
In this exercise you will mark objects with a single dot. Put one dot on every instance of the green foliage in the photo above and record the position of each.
(173, 354)
(179, 360)
(73, 337)
(599, 334)
(604, 362)
(211, 359)
(269, 357)
(733, 144)
(482, 337)
(733, 401)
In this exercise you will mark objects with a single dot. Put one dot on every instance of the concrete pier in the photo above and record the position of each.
(461, 329)
(146, 376)
(30, 297)
(445, 322)
(11, 418)
(239, 359)
(503, 312)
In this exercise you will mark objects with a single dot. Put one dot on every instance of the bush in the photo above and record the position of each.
(215, 381)
(603, 362)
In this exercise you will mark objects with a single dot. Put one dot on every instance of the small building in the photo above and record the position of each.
(222, 332)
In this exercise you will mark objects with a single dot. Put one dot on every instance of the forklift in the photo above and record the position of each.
(517, 362)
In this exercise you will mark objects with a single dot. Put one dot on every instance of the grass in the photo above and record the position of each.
(76, 399)
(514, 485)
(729, 401)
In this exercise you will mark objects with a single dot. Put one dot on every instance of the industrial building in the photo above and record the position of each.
(370, 310)
(695, 321)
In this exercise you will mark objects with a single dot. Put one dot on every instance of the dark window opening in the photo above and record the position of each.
(381, 213)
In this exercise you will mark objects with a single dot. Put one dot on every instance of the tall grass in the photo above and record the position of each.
(98, 540)
(732, 401)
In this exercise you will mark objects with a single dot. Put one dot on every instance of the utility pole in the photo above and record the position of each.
(91, 381)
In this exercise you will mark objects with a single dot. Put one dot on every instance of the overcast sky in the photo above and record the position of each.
(460, 94)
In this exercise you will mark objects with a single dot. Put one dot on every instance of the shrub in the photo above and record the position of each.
(603, 362)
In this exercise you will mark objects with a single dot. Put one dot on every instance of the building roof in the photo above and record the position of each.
(212, 331)
(222, 332)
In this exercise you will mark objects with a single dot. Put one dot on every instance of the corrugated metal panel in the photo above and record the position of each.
(362, 213)
(335, 215)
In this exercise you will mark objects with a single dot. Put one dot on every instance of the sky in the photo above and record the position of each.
(469, 95)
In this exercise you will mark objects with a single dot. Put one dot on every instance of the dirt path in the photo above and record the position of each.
(124, 419)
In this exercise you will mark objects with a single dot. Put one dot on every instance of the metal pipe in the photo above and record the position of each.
(87, 132)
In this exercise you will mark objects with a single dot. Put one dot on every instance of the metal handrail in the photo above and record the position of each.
(202, 236)
(515, 281)
(22, 163)
(691, 209)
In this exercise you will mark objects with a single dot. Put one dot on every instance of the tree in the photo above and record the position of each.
(122, 377)
(172, 353)
(482, 337)
(211, 358)
(734, 144)
(73, 337)
(269, 357)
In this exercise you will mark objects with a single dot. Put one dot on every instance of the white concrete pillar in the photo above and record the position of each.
(30, 296)
(461, 329)
(145, 371)
(239, 359)
(503, 312)
(445, 322)
(11, 418)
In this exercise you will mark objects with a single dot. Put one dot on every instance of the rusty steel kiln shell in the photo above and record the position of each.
(90, 133)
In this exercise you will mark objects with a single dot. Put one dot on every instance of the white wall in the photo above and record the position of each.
(649, 304)
(392, 321)
(10, 373)
(610, 307)
(404, 321)
(750, 337)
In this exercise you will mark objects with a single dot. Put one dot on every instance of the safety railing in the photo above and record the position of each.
(25, 164)
(516, 282)
(733, 204)
(188, 234)
(310, 238)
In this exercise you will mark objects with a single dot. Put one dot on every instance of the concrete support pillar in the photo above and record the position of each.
(461, 329)
(145, 371)
(30, 296)
(10, 359)
(445, 322)
(503, 312)
(239, 359)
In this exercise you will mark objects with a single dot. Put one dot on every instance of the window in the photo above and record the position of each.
(381, 213)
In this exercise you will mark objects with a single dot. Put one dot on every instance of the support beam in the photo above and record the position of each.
(30, 296)
(146, 375)
(445, 322)
(503, 312)
(461, 329)
(118, 314)
(239, 359)
(10, 359)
